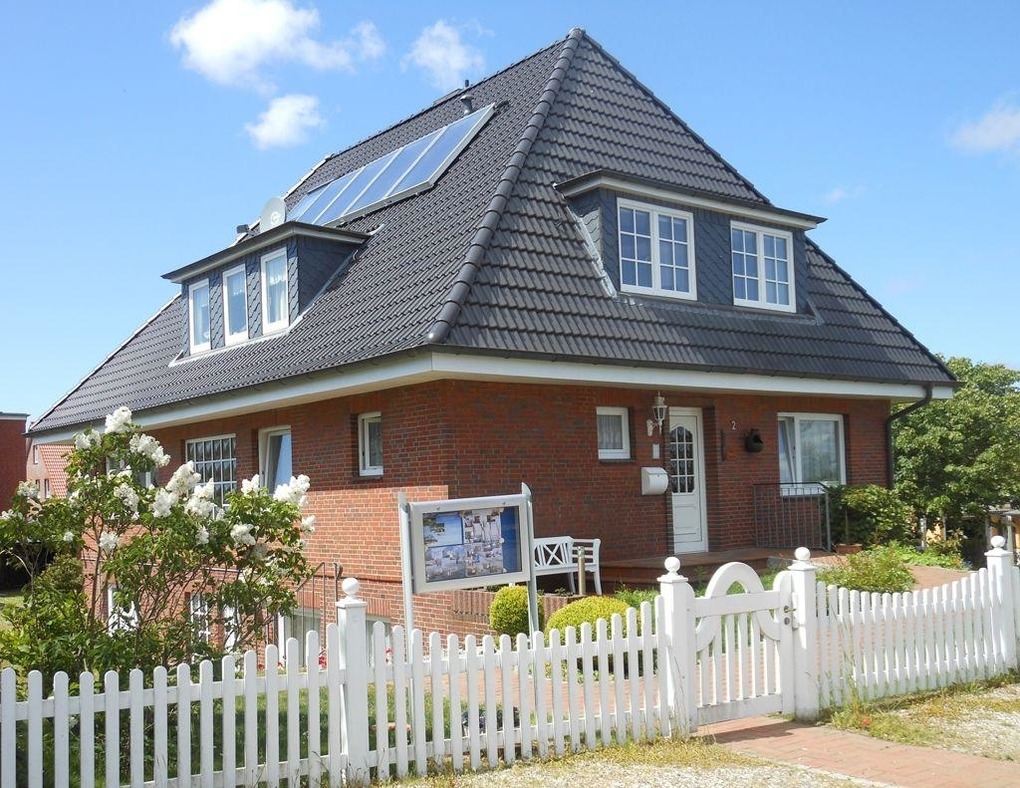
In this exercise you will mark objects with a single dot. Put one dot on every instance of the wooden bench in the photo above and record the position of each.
(557, 555)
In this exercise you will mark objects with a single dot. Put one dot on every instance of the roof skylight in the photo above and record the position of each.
(408, 170)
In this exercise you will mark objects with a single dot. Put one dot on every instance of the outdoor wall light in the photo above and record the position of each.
(658, 414)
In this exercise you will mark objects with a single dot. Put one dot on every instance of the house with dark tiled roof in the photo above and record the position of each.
(548, 278)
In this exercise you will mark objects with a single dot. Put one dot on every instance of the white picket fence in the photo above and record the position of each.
(381, 707)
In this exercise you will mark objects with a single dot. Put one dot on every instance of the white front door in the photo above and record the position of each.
(687, 479)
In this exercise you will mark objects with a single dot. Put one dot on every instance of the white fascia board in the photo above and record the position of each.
(640, 190)
(445, 366)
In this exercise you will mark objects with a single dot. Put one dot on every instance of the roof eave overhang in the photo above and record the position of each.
(269, 238)
(646, 187)
(416, 367)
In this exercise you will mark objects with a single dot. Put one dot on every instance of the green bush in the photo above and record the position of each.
(880, 570)
(945, 554)
(508, 613)
(589, 609)
(869, 514)
(633, 597)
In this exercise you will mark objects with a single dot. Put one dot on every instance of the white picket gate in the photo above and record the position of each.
(381, 707)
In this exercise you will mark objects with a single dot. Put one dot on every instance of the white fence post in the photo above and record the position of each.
(1001, 567)
(353, 659)
(681, 658)
(805, 641)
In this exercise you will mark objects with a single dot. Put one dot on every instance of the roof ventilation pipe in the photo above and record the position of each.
(467, 98)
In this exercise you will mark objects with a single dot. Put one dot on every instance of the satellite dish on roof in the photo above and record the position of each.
(273, 214)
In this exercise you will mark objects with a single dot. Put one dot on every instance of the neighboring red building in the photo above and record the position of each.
(547, 278)
(45, 468)
(13, 447)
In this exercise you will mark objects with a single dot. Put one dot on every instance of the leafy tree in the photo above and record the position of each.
(163, 553)
(959, 456)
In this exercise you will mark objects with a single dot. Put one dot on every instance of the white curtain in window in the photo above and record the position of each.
(610, 431)
(787, 475)
(276, 290)
(819, 445)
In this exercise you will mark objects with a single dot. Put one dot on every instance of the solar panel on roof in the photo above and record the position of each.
(410, 169)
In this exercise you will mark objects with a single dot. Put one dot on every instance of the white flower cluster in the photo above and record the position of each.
(250, 485)
(119, 420)
(108, 542)
(201, 502)
(294, 491)
(308, 525)
(150, 448)
(202, 536)
(7, 515)
(28, 489)
(184, 480)
(85, 440)
(68, 536)
(126, 494)
(162, 503)
(241, 535)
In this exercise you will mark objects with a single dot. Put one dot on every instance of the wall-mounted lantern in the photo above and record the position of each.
(753, 442)
(658, 414)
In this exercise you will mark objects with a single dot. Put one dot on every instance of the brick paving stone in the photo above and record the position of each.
(857, 755)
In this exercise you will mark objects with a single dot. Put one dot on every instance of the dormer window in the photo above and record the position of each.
(198, 316)
(656, 250)
(275, 294)
(762, 267)
(235, 305)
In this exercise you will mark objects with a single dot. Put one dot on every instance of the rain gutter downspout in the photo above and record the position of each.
(890, 464)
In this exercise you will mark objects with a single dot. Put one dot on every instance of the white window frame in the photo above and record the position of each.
(284, 321)
(193, 288)
(47, 490)
(226, 484)
(655, 211)
(365, 466)
(798, 486)
(240, 336)
(35, 454)
(622, 453)
(119, 619)
(199, 614)
(264, 436)
(760, 302)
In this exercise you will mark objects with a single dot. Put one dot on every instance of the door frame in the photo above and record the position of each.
(699, 436)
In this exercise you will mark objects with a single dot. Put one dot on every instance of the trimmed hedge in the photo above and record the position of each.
(508, 613)
(589, 609)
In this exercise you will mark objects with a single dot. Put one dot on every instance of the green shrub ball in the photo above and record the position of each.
(589, 609)
(508, 613)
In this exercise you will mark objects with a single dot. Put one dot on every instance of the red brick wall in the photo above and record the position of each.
(13, 454)
(454, 439)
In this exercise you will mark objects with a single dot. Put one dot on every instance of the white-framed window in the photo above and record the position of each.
(198, 316)
(656, 250)
(119, 617)
(762, 267)
(198, 611)
(613, 429)
(811, 451)
(35, 455)
(275, 293)
(215, 461)
(47, 491)
(370, 459)
(275, 457)
(235, 305)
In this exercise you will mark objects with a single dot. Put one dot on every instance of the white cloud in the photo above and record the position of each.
(230, 41)
(440, 53)
(286, 122)
(840, 193)
(997, 130)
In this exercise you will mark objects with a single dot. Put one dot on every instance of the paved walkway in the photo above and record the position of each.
(857, 755)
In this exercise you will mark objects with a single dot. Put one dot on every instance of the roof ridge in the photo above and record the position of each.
(486, 228)
(669, 111)
(441, 100)
(860, 288)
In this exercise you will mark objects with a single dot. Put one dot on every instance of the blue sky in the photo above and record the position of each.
(136, 136)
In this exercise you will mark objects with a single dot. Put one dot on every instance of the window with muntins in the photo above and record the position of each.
(613, 430)
(656, 250)
(215, 460)
(370, 459)
(198, 316)
(235, 305)
(275, 458)
(275, 292)
(810, 451)
(762, 267)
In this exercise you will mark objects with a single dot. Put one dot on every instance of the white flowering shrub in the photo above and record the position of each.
(156, 546)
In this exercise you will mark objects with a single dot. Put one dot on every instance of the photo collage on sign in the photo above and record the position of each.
(463, 544)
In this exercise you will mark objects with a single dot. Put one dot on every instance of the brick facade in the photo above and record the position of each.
(13, 451)
(456, 439)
